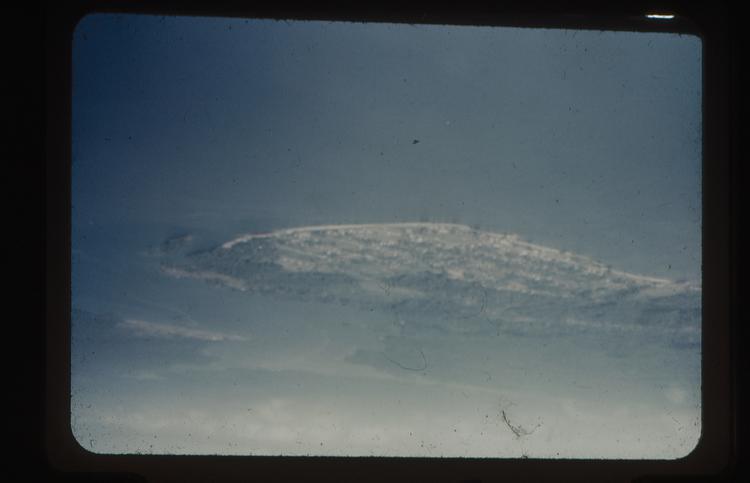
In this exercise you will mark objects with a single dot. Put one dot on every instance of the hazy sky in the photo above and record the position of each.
(188, 132)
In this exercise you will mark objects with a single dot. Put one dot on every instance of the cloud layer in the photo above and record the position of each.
(169, 331)
(450, 277)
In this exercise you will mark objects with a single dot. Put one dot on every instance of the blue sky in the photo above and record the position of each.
(198, 130)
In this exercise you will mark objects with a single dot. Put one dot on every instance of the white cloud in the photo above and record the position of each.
(206, 275)
(143, 328)
(448, 273)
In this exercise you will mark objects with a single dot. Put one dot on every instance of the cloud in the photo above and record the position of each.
(451, 277)
(99, 347)
(143, 328)
(207, 276)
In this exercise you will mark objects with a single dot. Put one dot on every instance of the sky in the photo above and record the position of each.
(464, 241)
